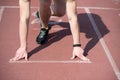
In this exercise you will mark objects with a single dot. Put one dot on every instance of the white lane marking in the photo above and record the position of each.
(16, 7)
(1, 12)
(10, 6)
(36, 20)
(107, 51)
(34, 14)
(98, 8)
(102, 8)
(52, 61)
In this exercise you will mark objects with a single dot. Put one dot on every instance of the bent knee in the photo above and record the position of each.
(58, 11)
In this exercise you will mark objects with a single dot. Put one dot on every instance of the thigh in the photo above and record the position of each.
(59, 7)
(60, 4)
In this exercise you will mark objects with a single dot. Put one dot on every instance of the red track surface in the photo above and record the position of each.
(99, 36)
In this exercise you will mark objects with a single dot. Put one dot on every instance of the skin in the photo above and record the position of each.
(54, 10)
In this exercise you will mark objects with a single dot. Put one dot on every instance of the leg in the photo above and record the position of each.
(72, 17)
(23, 25)
(57, 9)
(45, 12)
(47, 9)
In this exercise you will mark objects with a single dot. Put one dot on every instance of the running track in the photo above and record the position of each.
(100, 28)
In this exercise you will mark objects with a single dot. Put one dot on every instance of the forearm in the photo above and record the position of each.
(72, 17)
(24, 22)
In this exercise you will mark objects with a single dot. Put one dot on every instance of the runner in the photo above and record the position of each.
(47, 10)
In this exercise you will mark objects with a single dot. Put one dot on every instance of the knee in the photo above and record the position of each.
(58, 12)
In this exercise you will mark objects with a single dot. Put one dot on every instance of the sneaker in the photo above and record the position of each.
(42, 37)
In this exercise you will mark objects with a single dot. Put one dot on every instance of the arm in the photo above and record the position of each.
(72, 17)
(23, 29)
(24, 22)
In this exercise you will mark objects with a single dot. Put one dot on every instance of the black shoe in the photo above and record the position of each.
(42, 37)
(37, 14)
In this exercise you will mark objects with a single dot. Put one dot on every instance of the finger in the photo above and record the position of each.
(14, 58)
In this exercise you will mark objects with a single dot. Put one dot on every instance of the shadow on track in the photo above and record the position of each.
(85, 27)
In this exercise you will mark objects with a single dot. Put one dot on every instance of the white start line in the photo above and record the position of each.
(52, 61)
